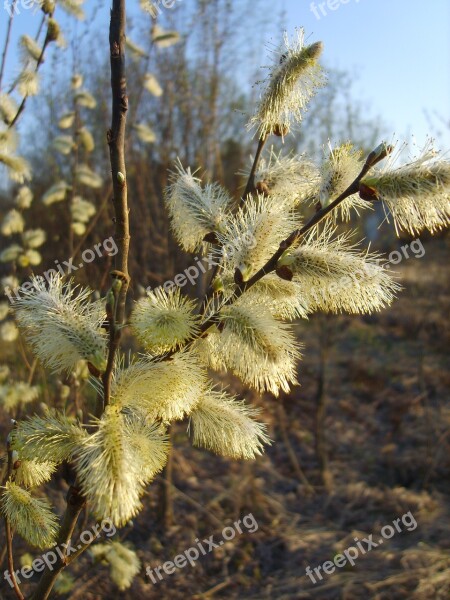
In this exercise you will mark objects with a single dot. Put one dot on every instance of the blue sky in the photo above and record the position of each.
(399, 49)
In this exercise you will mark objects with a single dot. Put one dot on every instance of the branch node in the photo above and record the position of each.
(115, 50)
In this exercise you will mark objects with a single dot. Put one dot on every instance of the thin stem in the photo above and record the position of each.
(75, 504)
(75, 160)
(36, 37)
(116, 141)
(7, 38)
(250, 187)
(10, 559)
(9, 534)
(38, 64)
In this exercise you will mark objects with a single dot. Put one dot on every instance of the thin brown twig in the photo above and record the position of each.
(7, 38)
(116, 141)
(36, 37)
(75, 505)
(38, 64)
(11, 560)
(250, 187)
(32, 370)
(8, 531)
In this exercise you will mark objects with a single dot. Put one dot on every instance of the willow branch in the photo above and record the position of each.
(38, 64)
(374, 157)
(116, 141)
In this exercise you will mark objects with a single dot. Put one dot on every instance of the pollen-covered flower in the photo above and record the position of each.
(78, 228)
(195, 211)
(282, 298)
(30, 473)
(30, 48)
(34, 238)
(12, 223)
(73, 7)
(30, 258)
(260, 350)
(28, 83)
(56, 193)
(17, 395)
(86, 176)
(254, 234)
(4, 373)
(31, 517)
(8, 108)
(77, 81)
(63, 144)
(145, 133)
(8, 332)
(9, 283)
(11, 253)
(4, 310)
(18, 168)
(135, 49)
(335, 276)
(54, 33)
(227, 427)
(417, 195)
(294, 78)
(86, 139)
(163, 38)
(123, 562)
(82, 210)
(84, 98)
(151, 84)
(117, 461)
(24, 197)
(167, 390)
(54, 437)
(341, 167)
(293, 179)
(164, 320)
(62, 325)
(66, 120)
(8, 140)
